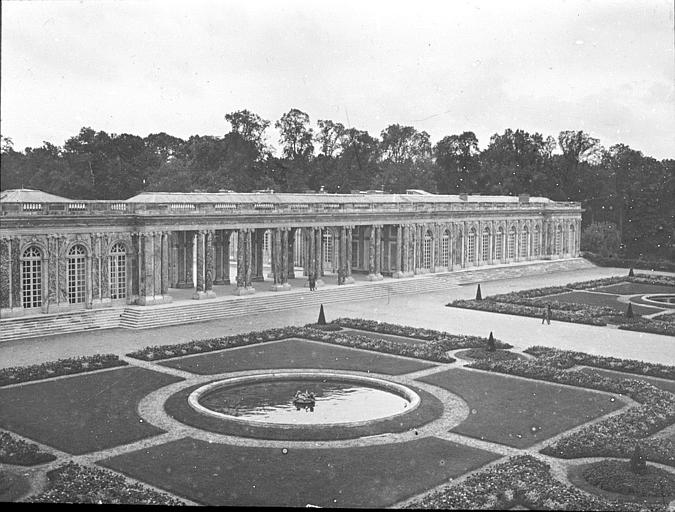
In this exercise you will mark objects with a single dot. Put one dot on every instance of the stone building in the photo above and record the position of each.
(59, 255)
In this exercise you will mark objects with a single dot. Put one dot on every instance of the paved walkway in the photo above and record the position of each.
(421, 310)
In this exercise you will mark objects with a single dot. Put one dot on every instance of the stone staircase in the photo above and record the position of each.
(63, 323)
(188, 311)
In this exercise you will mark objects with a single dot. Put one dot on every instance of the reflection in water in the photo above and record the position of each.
(335, 402)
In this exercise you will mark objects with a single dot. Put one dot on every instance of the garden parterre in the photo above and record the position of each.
(533, 302)
(16, 451)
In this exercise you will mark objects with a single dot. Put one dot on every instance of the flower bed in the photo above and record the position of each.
(16, 451)
(637, 278)
(17, 374)
(451, 341)
(614, 436)
(572, 358)
(520, 481)
(481, 353)
(73, 483)
(653, 325)
(616, 476)
(434, 351)
(530, 311)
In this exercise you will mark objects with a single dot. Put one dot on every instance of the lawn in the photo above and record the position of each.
(519, 412)
(600, 299)
(429, 409)
(295, 354)
(371, 476)
(635, 288)
(83, 413)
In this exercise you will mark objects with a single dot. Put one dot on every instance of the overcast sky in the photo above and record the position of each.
(140, 67)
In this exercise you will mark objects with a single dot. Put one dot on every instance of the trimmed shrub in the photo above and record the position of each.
(16, 451)
(17, 374)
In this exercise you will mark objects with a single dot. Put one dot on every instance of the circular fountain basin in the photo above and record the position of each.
(660, 299)
(267, 399)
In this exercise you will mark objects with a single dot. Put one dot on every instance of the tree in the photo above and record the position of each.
(296, 136)
(250, 126)
(457, 163)
(405, 159)
(578, 150)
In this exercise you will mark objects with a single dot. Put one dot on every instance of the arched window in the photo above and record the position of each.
(511, 245)
(471, 246)
(499, 244)
(31, 278)
(426, 250)
(327, 248)
(523, 242)
(536, 241)
(76, 274)
(485, 245)
(117, 268)
(558, 240)
(445, 249)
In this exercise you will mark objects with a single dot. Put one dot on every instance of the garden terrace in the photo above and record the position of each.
(595, 302)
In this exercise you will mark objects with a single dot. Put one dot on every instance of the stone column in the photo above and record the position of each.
(6, 275)
(349, 232)
(222, 257)
(52, 274)
(378, 251)
(185, 260)
(244, 249)
(165, 254)
(284, 256)
(464, 245)
(200, 265)
(173, 259)
(209, 264)
(290, 268)
(318, 253)
(257, 240)
(149, 270)
(279, 259)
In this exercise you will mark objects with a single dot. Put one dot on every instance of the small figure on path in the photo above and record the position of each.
(547, 314)
(312, 282)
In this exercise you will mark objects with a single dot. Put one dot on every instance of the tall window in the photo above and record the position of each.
(76, 274)
(117, 267)
(327, 247)
(572, 240)
(31, 278)
(445, 249)
(536, 241)
(499, 244)
(523, 242)
(558, 240)
(511, 249)
(485, 245)
(426, 250)
(471, 246)
(355, 252)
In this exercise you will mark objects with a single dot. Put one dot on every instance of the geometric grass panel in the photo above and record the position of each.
(83, 413)
(519, 412)
(295, 354)
(368, 476)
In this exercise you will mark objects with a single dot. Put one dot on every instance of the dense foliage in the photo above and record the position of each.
(617, 185)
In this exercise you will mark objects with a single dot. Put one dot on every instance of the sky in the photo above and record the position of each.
(606, 67)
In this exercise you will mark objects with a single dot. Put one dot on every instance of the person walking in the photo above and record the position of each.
(548, 314)
(312, 282)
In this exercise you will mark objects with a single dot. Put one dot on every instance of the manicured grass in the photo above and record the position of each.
(371, 476)
(636, 288)
(429, 409)
(600, 299)
(668, 385)
(83, 413)
(519, 412)
(295, 354)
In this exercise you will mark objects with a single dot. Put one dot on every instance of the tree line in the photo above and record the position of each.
(618, 185)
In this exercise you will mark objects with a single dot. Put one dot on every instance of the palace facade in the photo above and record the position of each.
(58, 254)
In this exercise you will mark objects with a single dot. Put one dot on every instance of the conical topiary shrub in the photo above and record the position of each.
(638, 465)
(491, 343)
(322, 317)
(631, 273)
(629, 311)
(478, 294)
